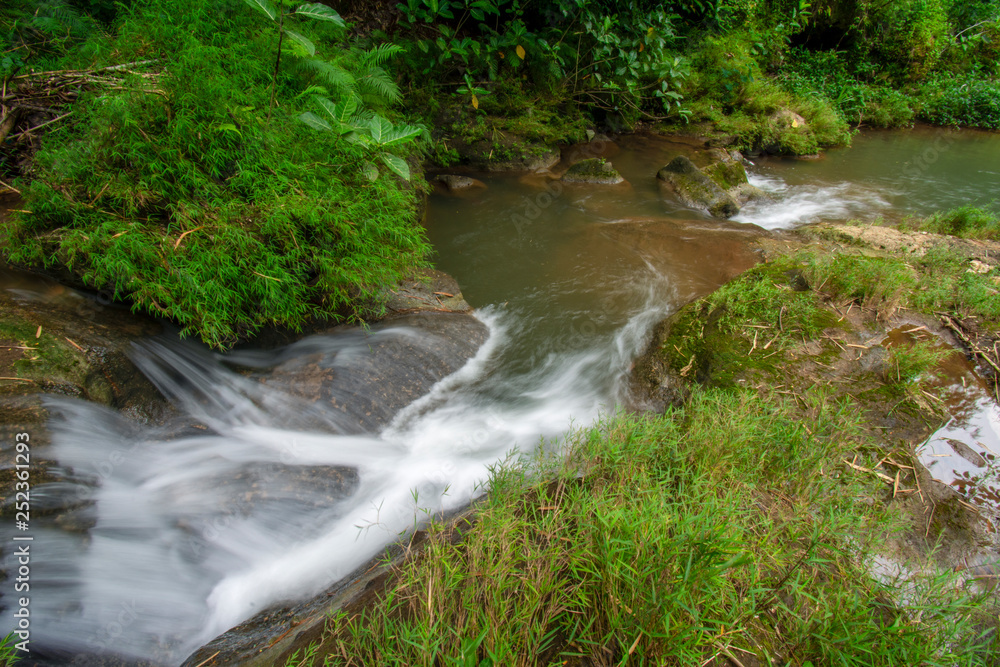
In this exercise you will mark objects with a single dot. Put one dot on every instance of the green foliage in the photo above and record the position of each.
(32, 29)
(973, 100)
(367, 129)
(880, 283)
(827, 74)
(719, 528)
(612, 56)
(965, 222)
(300, 45)
(186, 201)
(908, 35)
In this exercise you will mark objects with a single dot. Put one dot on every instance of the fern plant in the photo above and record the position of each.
(300, 44)
(363, 126)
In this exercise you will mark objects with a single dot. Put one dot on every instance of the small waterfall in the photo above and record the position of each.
(284, 471)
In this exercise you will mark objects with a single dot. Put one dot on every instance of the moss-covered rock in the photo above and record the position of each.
(730, 175)
(697, 189)
(593, 170)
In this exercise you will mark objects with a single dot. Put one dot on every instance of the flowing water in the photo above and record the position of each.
(259, 493)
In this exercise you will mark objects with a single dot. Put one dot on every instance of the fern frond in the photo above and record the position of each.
(339, 78)
(376, 87)
(377, 55)
(58, 18)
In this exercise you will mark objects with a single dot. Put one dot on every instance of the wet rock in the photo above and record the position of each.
(695, 188)
(59, 341)
(593, 170)
(729, 174)
(427, 289)
(363, 395)
(599, 146)
(505, 152)
(455, 183)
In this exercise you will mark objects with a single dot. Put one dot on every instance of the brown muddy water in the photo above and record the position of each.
(568, 279)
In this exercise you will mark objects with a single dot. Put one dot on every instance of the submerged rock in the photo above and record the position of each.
(697, 189)
(593, 170)
(456, 183)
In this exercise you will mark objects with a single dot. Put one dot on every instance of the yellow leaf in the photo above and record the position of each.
(641, 47)
(649, 33)
(501, 53)
(475, 102)
(520, 52)
(795, 123)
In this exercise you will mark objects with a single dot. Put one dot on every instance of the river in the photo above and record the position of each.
(196, 529)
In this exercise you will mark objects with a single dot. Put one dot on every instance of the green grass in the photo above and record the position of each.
(181, 194)
(723, 528)
(963, 222)
(939, 281)
(880, 283)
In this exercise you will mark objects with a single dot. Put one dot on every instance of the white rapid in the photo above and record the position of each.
(789, 206)
(196, 526)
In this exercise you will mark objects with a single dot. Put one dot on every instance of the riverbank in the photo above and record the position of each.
(776, 508)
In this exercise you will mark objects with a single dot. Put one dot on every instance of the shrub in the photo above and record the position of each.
(180, 196)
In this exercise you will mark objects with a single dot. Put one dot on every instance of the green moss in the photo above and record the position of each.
(746, 326)
(50, 359)
(727, 173)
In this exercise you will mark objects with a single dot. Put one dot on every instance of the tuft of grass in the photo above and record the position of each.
(906, 364)
(964, 222)
(880, 283)
(717, 529)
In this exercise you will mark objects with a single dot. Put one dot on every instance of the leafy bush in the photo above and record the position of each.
(973, 100)
(614, 56)
(828, 74)
(178, 193)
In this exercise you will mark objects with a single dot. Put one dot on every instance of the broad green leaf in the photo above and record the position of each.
(263, 6)
(401, 135)
(314, 10)
(341, 114)
(314, 121)
(327, 106)
(397, 164)
(302, 41)
(370, 171)
(379, 128)
(346, 109)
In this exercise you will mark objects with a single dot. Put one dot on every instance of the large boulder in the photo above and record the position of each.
(593, 170)
(695, 188)
(729, 173)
